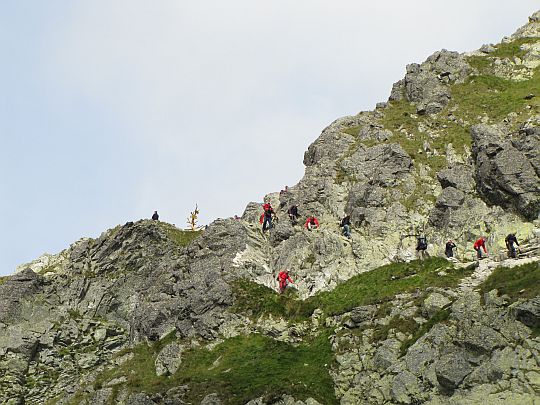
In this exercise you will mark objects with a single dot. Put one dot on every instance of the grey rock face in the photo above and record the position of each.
(449, 200)
(427, 84)
(17, 288)
(459, 177)
(451, 369)
(140, 399)
(169, 359)
(376, 170)
(211, 399)
(528, 312)
(252, 212)
(528, 143)
(504, 174)
(363, 313)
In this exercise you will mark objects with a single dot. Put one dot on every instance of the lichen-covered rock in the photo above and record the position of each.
(504, 175)
(427, 84)
(169, 359)
(528, 312)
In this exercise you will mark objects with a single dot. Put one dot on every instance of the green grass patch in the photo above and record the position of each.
(372, 287)
(354, 131)
(3, 279)
(512, 49)
(517, 282)
(508, 50)
(246, 367)
(494, 96)
(401, 115)
(387, 281)
(179, 236)
(239, 369)
(398, 323)
(255, 300)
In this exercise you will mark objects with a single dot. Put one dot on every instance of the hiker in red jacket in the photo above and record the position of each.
(284, 279)
(479, 245)
(266, 217)
(311, 223)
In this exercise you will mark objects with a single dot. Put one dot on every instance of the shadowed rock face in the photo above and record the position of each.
(504, 174)
(19, 287)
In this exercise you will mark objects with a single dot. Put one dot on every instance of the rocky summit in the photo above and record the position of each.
(150, 314)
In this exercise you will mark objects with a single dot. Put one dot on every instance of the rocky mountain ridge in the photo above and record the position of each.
(149, 314)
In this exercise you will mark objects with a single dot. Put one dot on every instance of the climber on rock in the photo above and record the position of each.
(266, 217)
(293, 214)
(311, 223)
(510, 240)
(346, 226)
(479, 245)
(155, 216)
(421, 246)
(449, 249)
(284, 279)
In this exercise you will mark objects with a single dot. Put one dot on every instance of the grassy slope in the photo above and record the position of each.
(517, 282)
(238, 369)
(179, 236)
(371, 287)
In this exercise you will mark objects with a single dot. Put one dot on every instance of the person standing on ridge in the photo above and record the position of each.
(479, 245)
(266, 217)
(155, 216)
(284, 279)
(311, 223)
(346, 225)
(449, 249)
(509, 241)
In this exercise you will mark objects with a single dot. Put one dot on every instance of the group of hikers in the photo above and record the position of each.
(479, 246)
(269, 217)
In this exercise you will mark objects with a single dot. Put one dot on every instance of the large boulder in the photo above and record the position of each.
(528, 312)
(504, 175)
(427, 84)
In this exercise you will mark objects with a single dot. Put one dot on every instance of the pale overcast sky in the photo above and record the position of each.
(111, 109)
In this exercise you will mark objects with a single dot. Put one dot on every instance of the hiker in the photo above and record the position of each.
(510, 240)
(449, 249)
(346, 225)
(293, 214)
(311, 223)
(266, 217)
(155, 217)
(421, 246)
(284, 279)
(479, 245)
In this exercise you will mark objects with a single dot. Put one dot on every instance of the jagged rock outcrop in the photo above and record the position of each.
(426, 84)
(504, 174)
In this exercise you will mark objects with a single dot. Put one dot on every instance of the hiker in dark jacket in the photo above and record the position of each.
(510, 240)
(293, 214)
(449, 249)
(155, 217)
(346, 225)
(421, 246)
